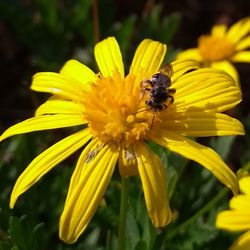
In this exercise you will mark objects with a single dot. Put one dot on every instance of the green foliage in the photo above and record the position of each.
(25, 236)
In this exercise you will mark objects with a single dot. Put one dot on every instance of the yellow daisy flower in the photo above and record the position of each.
(118, 120)
(238, 217)
(223, 46)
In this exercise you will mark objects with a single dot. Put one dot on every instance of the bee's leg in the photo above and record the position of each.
(142, 93)
(146, 83)
(152, 122)
(100, 76)
(145, 86)
(142, 110)
(171, 98)
(171, 91)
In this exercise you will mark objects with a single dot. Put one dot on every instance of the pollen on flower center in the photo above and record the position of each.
(111, 109)
(215, 48)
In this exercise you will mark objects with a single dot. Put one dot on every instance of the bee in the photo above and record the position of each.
(160, 95)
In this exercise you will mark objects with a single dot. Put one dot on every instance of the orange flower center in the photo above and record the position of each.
(215, 48)
(115, 112)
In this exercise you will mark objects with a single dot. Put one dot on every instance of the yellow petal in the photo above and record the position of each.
(148, 57)
(245, 185)
(87, 155)
(201, 154)
(44, 162)
(53, 106)
(108, 57)
(58, 84)
(227, 67)
(240, 202)
(200, 123)
(206, 89)
(127, 162)
(182, 66)
(219, 30)
(242, 243)
(43, 123)
(243, 56)
(191, 54)
(243, 44)
(237, 31)
(233, 220)
(153, 180)
(79, 72)
(87, 194)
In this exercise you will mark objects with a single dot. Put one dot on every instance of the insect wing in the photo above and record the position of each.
(167, 69)
(93, 153)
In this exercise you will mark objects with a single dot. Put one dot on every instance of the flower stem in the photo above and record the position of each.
(203, 210)
(123, 214)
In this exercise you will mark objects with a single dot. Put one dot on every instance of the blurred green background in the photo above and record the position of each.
(41, 35)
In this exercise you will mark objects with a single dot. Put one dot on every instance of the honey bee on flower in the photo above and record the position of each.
(159, 93)
(115, 132)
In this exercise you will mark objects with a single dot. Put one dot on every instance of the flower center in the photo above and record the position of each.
(116, 112)
(215, 48)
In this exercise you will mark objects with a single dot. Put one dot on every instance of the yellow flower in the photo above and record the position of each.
(118, 121)
(238, 217)
(223, 46)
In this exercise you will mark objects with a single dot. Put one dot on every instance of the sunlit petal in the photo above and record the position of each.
(153, 180)
(44, 162)
(108, 57)
(243, 44)
(43, 123)
(201, 154)
(199, 123)
(148, 57)
(87, 194)
(242, 243)
(182, 66)
(245, 185)
(58, 84)
(233, 220)
(87, 155)
(219, 30)
(242, 56)
(192, 54)
(240, 202)
(79, 72)
(59, 107)
(206, 89)
(227, 67)
(237, 31)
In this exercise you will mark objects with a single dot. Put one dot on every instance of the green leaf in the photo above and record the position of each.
(24, 235)
(222, 145)
(142, 245)
(49, 13)
(132, 231)
(123, 31)
(17, 233)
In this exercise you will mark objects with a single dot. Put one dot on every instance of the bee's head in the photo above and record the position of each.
(160, 79)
